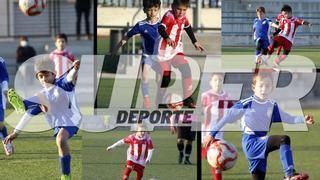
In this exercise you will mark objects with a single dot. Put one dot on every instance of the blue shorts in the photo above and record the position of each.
(254, 147)
(261, 46)
(72, 130)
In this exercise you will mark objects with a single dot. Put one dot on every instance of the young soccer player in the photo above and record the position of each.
(214, 104)
(288, 26)
(179, 125)
(4, 79)
(261, 29)
(148, 29)
(139, 153)
(55, 103)
(257, 113)
(170, 51)
(61, 56)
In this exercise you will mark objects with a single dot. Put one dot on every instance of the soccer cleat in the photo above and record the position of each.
(180, 158)
(276, 66)
(8, 148)
(189, 103)
(187, 161)
(16, 101)
(66, 177)
(146, 102)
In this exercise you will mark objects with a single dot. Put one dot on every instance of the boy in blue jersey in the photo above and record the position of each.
(55, 103)
(148, 29)
(4, 79)
(257, 113)
(261, 29)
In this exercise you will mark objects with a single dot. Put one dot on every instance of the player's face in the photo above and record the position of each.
(141, 132)
(180, 11)
(60, 44)
(46, 78)
(260, 15)
(152, 13)
(216, 83)
(262, 88)
(286, 15)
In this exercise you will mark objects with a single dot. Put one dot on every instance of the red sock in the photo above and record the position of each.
(216, 174)
(187, 87)
(270, 49)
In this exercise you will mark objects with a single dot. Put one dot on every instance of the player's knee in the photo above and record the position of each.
(61, 142)
(185, 70)
(189, 142)
(285, 140)
(259, 45)
(264, 51)
(180, 141)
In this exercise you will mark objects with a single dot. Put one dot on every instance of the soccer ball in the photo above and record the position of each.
(32, 7)
(222, 155)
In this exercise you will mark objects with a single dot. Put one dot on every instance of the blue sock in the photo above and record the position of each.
(65, 164)
(286, 159)
(145, 89)
(4, 132)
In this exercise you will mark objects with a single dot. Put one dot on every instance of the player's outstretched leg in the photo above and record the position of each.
(145, 85)
(16, 101)
(64, 153)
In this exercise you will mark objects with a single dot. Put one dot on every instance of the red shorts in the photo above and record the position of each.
(135, 167)
(175, 62)
(281, 41)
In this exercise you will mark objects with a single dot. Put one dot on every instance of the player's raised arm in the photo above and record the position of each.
(307, 23)
(279, 115)
(122, 42)
(22, 123)
(118, 143)
(73, 74)
(193, 39)
(165, 36)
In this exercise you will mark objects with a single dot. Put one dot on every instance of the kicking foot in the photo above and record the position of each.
(16, 101)
(8, 148)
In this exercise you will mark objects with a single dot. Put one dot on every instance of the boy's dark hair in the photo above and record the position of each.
(286, 8)
(177, 3)
(261, 9)
(262, 74)
(151, 3)
(61, 36)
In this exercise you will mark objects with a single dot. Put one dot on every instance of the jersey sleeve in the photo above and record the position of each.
(167, 19)
(135, 30)
(231, 115)
(280, 116)
(150, 144)
(64, 84)
(127, 140)
(299, 21)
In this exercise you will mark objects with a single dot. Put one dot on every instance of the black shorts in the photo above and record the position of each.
(184, 132)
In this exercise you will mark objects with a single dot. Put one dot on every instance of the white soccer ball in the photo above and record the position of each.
(32, 7)
(222, 155)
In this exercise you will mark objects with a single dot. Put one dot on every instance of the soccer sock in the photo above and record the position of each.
(145, 89)
(270, 49)
(187, 87)
(65, 164)
(216, 174)
(286, 159)
(180, 147)
(4, 132)
(188, 150)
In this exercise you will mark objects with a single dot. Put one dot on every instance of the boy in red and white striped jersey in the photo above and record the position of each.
(61, 56)
(214, 104)
(139, 152)
(288, 26)
(171, 48)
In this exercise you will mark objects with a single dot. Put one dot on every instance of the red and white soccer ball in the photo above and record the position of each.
(222, 155)
(32, 7)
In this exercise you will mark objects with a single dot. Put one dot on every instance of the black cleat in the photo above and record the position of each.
(187, 161)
